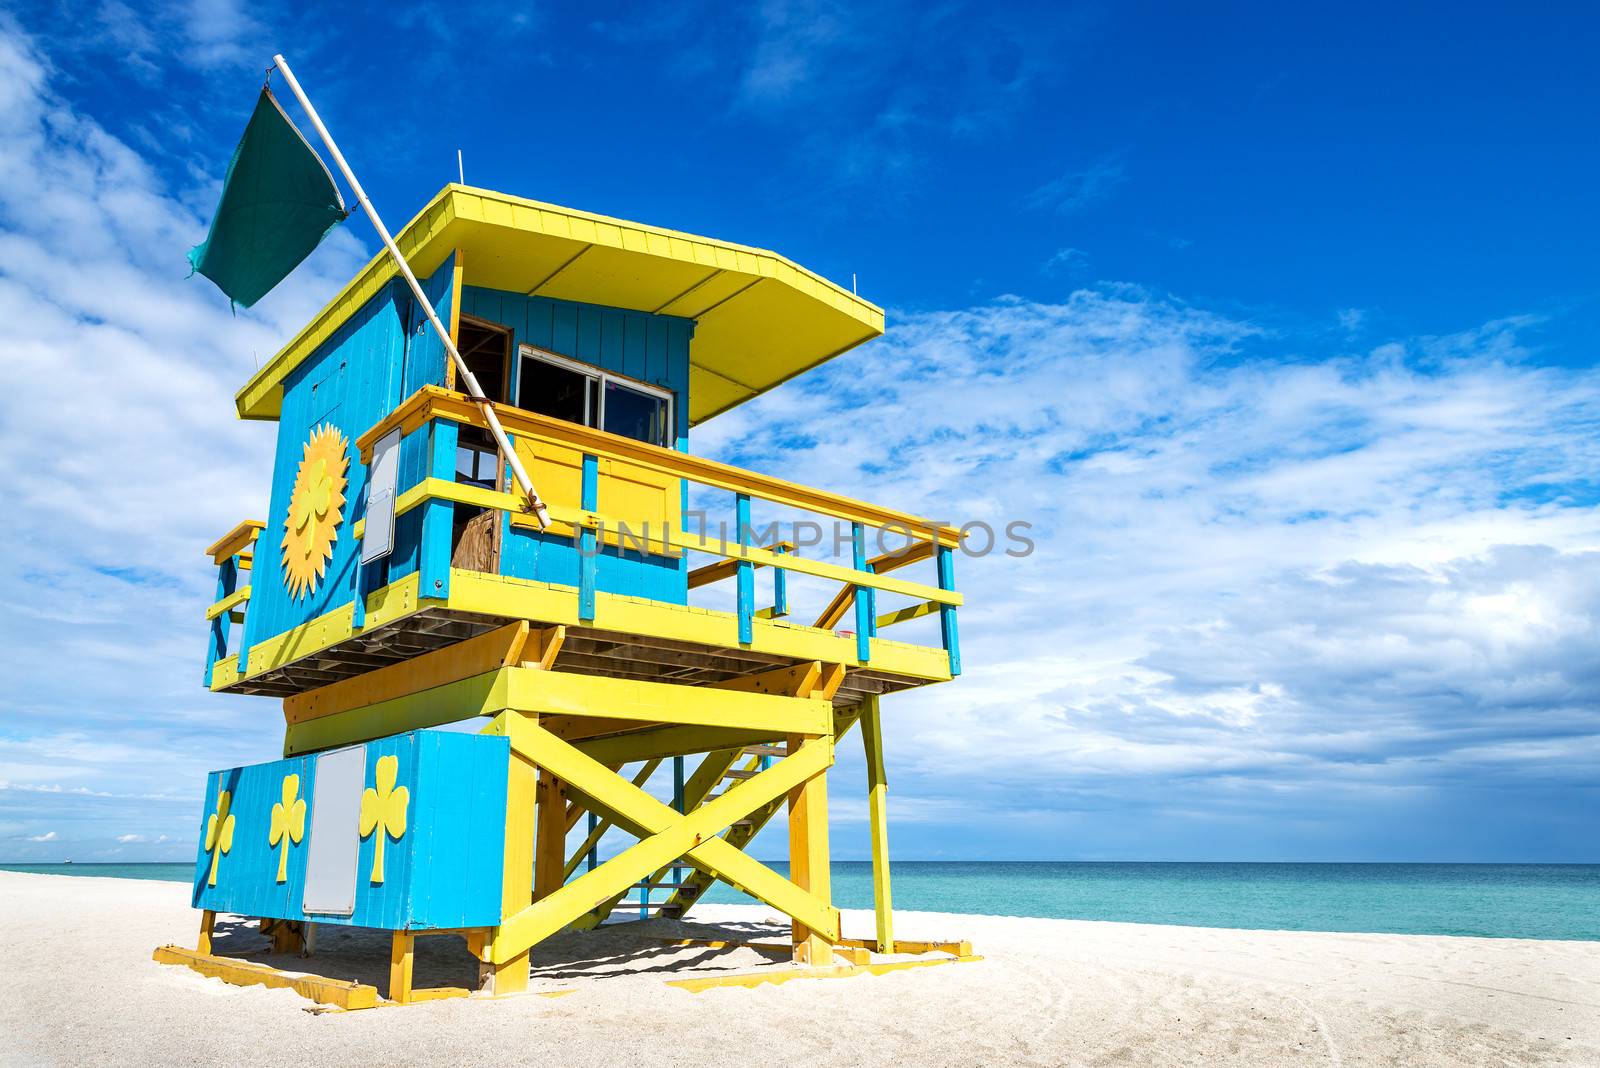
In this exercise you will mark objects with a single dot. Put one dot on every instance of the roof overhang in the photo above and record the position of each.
(761, 319)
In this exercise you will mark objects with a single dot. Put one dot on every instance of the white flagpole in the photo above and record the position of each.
(535, 505)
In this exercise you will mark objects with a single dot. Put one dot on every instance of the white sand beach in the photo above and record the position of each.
(77, 986)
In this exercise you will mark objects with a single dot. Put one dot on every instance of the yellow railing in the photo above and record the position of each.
(232, 553)
(545, 435)
(431, 402)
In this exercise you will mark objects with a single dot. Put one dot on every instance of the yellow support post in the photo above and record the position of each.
(510, 976)
(550, 841)
(808, 856)
(208, 918)
(878, 817)
(401, 955)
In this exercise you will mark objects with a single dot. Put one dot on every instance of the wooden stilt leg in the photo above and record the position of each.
(511, 977)
(286, 936)
(808, 857)
(878, 814)
(550, 843)
(208, 919)
(400, 960)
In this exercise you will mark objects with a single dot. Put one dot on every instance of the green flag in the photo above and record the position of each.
(278, 202)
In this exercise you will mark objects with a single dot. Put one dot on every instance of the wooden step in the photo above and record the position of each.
(765, 750)
(739, 773)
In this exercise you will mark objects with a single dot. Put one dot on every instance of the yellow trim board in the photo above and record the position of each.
(962, 948)
(338, 992)
(569, 693)
(492, 649)
(750, 980)
(562, 693)
(433, 707)
(762, 319)
(225, 672)
(474, 591)
(383, 606)
(853, 954)
(238, 596)
(236, 540)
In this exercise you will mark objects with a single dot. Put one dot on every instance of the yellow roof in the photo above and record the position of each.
(762, 319)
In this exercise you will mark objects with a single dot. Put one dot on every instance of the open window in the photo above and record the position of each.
(579, 393)
(486, 350)
(633, 496)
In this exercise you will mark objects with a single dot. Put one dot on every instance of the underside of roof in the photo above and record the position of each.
(761, 319)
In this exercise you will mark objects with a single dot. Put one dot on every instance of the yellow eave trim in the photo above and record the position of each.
(421, 242)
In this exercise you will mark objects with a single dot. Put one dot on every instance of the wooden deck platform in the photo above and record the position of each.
(588, 650)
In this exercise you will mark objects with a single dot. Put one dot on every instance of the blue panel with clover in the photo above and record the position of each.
(405, 832)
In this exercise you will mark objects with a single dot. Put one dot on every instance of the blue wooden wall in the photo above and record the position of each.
(650, 348)
(355, 378)
(386, 352)
(444, 871)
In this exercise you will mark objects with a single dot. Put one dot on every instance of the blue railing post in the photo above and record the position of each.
(865, 601)
(358, 593)
(358, 599)
(227, 582)
(588, 547)
(593, 857)
(780, 587)
(241, 665)
(747, 573)
(947, 612)
(438, 517)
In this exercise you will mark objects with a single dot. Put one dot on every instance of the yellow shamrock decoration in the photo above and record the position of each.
(219, 832)
(384, 809)
(288, 823)
(314, 510)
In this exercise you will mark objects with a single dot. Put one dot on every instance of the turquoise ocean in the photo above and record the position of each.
(1490, 900)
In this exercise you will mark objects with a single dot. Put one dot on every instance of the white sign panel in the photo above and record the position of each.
(335, 833)
(385, 472)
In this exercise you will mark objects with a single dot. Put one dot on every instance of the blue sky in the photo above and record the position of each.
(1278, 326)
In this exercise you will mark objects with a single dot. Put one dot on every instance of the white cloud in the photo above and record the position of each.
(1254, 579)
(123, 457)
(217, 31)
(1077, 190)
(48, 836)
(867, 94)
(1066, 261)
(203, 34)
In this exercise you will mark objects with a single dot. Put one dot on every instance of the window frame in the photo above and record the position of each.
(598, 377)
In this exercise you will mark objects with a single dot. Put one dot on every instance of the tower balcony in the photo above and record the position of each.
(633, 541)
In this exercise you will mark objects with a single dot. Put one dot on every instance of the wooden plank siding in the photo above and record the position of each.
(650, 348)
(443, 872)
(371, 363)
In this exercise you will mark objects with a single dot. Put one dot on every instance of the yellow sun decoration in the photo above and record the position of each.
(314, 510)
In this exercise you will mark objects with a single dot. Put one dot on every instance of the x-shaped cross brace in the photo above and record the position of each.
(664, 835)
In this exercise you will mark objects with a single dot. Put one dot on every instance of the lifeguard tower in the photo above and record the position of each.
(398, 584)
